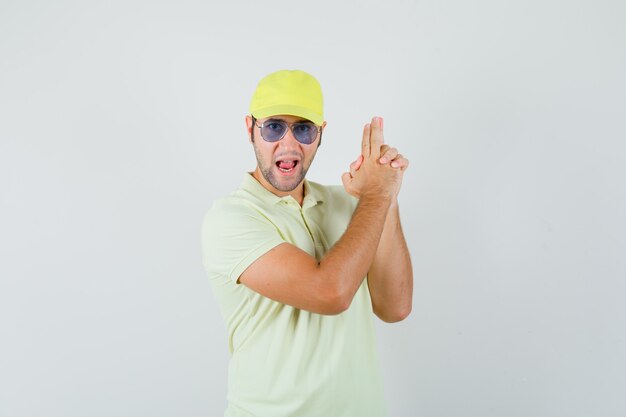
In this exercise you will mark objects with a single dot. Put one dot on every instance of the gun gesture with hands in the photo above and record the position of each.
(378, 171)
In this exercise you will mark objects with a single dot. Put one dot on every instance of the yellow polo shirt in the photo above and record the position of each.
(286, 361)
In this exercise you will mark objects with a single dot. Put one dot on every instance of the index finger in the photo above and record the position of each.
(376, 136)
(365, 142)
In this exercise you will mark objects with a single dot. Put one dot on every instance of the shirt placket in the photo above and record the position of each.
(311, 226)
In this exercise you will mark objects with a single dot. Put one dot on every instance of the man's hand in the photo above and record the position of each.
(373, 150)
(390, 276)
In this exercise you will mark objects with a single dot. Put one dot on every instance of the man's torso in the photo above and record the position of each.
(286, 361)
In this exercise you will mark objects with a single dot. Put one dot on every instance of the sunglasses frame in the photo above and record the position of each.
(318, 129)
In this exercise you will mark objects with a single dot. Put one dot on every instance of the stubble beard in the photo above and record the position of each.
(291, 183)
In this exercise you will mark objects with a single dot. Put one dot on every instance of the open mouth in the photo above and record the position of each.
(287, 166)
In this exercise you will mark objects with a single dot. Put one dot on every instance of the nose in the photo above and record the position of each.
(289, 142)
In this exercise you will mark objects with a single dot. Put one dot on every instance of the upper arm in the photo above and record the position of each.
(291, 276)
(234, 236)
(242, 246)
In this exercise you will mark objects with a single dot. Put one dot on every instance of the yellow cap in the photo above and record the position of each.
(291, 92)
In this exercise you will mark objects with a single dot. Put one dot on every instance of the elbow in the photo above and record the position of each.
(401, 315)
(332, 295)
(394, 315)
(334, 310)
(335, 301)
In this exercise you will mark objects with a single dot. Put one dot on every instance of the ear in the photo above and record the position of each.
(321, 132)
(249, 127)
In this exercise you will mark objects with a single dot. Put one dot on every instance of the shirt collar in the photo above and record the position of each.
(311, 196)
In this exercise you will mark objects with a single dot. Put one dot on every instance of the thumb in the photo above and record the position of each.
(358, 162)
(346, 178)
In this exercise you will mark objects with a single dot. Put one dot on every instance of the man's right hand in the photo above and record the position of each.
(372, 179)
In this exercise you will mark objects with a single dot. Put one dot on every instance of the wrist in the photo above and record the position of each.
(377, 200)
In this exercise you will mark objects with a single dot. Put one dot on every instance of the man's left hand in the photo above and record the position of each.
(388, 155)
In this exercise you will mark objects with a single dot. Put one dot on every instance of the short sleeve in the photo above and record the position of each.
(233, 237)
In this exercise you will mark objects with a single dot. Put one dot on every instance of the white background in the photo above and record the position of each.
(121, 121)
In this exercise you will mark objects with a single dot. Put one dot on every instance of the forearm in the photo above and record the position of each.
(390, 278)
(346, 264)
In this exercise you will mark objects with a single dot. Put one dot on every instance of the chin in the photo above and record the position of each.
(285, 184)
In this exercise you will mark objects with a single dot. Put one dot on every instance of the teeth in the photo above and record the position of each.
(292, 162)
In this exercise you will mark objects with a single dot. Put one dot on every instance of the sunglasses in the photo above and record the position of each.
(273, 130)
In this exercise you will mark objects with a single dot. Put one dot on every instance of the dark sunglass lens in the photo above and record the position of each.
(305, 132)
(273, 131)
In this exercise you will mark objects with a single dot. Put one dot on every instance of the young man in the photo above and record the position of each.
(299, 268)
